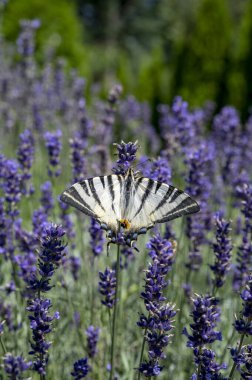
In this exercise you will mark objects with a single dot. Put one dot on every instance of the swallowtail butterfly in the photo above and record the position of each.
(128, 201)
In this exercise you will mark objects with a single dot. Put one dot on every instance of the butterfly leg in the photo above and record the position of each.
(108, 248)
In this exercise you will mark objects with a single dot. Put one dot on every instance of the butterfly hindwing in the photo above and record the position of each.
(97, 197)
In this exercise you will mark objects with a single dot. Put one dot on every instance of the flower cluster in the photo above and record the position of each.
(92, 334)
(25, 41)
(209, 368)
(205, 316)
(222, 249)
(226, 127)
(97, 237)
(199, 162)
(107, 285)
(40, 323)
(107, 118)
(54, 147)
(25, 155)
(243, 361)
(50, 256)
(159, 169)
(126, 155)
(77, 145)
(158, 323)
(11, 185)
(14, 366)
(242, 267)
(244, 193)
(244, 324)
(80, 369)
(46, 196)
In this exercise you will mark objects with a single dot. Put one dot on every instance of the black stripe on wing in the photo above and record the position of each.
(168, 193)
(111, 190)
(187, 206)
(73, 198)
(94, 192)
(145, 196)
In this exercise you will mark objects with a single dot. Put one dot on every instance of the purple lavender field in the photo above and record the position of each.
(184, 301)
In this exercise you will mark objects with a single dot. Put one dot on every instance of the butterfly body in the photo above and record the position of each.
(128, 201)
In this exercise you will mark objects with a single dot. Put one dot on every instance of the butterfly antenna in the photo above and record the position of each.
(142, 163)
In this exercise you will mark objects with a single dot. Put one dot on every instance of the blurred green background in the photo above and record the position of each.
(200, 49)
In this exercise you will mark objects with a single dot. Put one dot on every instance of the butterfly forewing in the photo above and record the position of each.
(156, 202)
(98, 197)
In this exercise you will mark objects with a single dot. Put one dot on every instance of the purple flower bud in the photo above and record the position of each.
(75, 265)
(126, 155)
(47, 196)
(222, 249)
(92, 334)
(25, 156)
(12, 185)
(97, 237)
(14, 366)
(78, 160)
(244, 323)
(80, 369)
(160, 314)
(159, 169)
(107, 285)
(54, 147)
(205, 316)
(207, 366)
(242, 360)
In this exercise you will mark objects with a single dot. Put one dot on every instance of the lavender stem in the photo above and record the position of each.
(142, 351)
(238, 350)
(113, 337)
(3, 345)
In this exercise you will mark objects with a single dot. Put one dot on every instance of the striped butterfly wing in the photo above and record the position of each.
(157, 202)
(98, 197)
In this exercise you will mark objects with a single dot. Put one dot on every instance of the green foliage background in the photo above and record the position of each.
(200, 49)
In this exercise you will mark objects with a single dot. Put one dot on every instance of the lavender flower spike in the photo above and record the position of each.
(14, 366)
(126, 155)
(107, 285)
(54, 147)
(92, 334)
(40, 323)
(222, 249)
(244, 324)
(159, 321)
(205, 317)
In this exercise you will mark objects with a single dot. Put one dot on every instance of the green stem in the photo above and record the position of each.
(238, 351)
(3, 345)
(227, 345)
(113, 338)
(199, 366)
(142, 351)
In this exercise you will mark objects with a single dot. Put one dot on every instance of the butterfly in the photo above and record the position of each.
(129, 202)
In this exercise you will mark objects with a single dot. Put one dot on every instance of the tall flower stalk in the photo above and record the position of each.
(222, 248)
(243, 325)
(157, 323)
(50, 256)
(205, 315)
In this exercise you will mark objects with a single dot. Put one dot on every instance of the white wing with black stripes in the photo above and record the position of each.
(156, 202)
(98, 197)
(134, 203)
